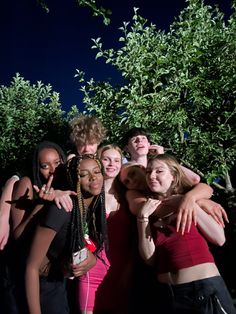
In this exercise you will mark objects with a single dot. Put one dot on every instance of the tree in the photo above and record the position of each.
(28, 115)
(180, 85)
(90, 4)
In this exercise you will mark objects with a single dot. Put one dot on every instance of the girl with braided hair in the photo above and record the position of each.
(60, 234)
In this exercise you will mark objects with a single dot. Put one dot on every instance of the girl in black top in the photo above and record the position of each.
(60, 234)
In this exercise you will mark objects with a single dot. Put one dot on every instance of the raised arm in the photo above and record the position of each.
(146, 244)
(192, 176)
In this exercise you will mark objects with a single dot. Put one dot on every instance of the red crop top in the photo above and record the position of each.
(176, 251)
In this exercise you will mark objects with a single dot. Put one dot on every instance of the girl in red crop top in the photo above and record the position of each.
(182, 260)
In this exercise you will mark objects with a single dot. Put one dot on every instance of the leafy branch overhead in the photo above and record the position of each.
(180, 85)
(91, 4)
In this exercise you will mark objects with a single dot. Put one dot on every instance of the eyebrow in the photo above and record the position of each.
(94, 168)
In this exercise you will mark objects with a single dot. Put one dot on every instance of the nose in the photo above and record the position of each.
(86, 148)
(110, 162)
(151, 174)
(52, 169)
(92, 177)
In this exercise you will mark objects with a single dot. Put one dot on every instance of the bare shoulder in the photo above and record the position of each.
(23, 186)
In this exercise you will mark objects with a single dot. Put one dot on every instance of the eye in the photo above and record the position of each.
(83, 174)
(44, 166)
(98, 171)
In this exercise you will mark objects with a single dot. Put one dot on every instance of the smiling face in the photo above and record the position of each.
(159, 177)
(111, 160)
(133, 177)
(49, 160)
(91, 178)
(138, 146)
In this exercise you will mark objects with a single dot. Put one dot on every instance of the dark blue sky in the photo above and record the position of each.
(48, 47)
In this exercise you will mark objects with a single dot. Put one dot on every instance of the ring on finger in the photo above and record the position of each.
(43, 189)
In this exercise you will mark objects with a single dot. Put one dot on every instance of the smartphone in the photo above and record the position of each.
(79, 256)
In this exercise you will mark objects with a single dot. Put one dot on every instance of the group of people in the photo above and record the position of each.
(92, 232)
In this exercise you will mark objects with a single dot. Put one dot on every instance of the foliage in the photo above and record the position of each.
(28, 115)
(91, 4)
(180, 85)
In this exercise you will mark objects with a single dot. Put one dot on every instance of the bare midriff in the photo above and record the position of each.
(185, 275)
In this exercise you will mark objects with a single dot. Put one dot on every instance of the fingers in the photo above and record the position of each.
(149, 207)
(65, 201)
(48, 184)
(185, 219)
(178, 221)
(36, 188)
(86, 265)
(224, 214)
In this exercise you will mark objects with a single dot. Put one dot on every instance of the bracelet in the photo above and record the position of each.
(142, 219)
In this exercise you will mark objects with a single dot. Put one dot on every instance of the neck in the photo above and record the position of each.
(108, 185)
(142, 160)
(88, 201)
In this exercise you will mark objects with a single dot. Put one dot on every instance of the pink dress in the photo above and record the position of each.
(105, 287)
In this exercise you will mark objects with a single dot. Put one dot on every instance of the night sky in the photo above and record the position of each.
(49, 47)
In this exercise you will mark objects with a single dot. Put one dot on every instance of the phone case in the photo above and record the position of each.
(79, 256)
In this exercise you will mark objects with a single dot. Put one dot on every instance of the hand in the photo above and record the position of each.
(47, 193)
(149, 207)
(156, 149)
(63, 199)
(85, 266)
(186, 213)
(215, 210)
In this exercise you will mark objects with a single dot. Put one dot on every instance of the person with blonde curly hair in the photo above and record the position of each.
(87, 133)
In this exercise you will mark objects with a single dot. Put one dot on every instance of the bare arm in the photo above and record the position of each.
(5, 210)
(192, 176)
(146, 245)
(22, 199)
(41, 242)
(215, 210)
(25, 221)
(212, 231)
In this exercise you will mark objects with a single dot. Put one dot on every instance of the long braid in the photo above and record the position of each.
(94, 217)
(76, 235)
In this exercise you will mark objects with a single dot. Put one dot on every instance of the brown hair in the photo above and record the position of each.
(87, 129)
